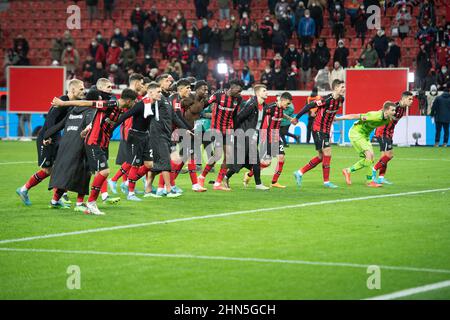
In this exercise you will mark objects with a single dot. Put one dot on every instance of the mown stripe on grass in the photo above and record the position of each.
(221, 258)
(219, 215)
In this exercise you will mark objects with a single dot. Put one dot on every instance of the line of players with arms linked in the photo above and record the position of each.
(150, 114)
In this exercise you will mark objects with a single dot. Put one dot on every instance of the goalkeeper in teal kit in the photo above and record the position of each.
(359, 135)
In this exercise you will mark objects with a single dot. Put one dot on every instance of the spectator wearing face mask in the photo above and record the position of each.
(191, 41)
(266, 28)
(380, 44)
(113, 54)
(317, 14)
(341, 54)
(393, 54)
(321, 55)
(173, 49)
(292, 55)
(119, 37)
(337, 18)
(228, 39)
(247, 78)
(443, 79)
(431, 96)
(245, 20)
(70, 58)
(255, 42)
(403, 19)
(134, 37)
(279, 39)
(97, 51)
(369, 56)
(306, 29)
(244, 42)
(306, 65)
(299, 13)
(199, 68)
(138, 17)
(149, 63)
(127, 56)
(286, 25)
(361, 23)
(165, 37)
(204, 35)
(267, 78)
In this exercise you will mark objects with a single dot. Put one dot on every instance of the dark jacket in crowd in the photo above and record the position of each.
(441, 108)
(321, 57)
(341, 55)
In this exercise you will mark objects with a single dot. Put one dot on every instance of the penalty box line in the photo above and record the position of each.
(218, 215)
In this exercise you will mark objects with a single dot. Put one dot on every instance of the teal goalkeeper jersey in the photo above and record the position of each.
(368, 122)
(289, 112)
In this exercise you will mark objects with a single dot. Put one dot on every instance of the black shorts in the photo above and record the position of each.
(139, 149)
(321, 140)
(122, 154)
(160, 149)
(97, 158)
(277, 151)
(190, 147)
(385, 143)
(46, 154)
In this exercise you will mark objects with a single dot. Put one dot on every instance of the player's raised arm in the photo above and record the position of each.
(84, 103)
(305, 109)
(348, 117)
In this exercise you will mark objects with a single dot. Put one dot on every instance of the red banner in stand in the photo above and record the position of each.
(32, 89)
(368, 89)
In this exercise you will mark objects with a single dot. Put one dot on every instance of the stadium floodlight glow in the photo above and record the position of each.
(411, 77)
(222, 68)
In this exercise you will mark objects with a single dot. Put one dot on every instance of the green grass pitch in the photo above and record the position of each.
(280, 244)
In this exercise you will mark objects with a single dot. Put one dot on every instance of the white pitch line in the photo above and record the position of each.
(412, 291)
(218, 215)
(242, 259)
(30, 162)
(17, 162)
(398, 159)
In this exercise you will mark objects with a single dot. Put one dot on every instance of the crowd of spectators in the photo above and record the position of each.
(297, 60)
